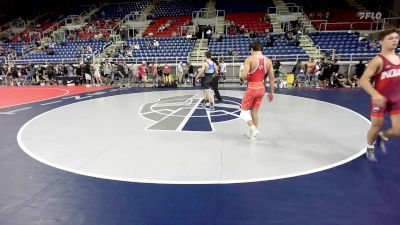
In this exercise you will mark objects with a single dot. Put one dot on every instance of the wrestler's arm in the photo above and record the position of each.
(201, 71)
(246, 68)
(271, 76)
(373, 67)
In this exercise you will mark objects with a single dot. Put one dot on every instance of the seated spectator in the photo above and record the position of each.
(89, 49)
(327, 15)
(129, 53)
(220, 38)
(148, 44)
(156, 44)
(373, 45)
(189, 37)
(354, 81)
(136, 47)
(339, 81)
(270, 41)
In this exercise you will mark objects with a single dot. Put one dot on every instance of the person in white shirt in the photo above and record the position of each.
(179, 70)
(96, 74)
(156, 44)
(222, 70)
(136, 46)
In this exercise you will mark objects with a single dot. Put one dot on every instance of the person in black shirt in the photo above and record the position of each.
(360, 67)
(191, 73)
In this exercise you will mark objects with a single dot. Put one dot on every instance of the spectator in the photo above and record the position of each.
(209, 35)
(142, 73)
(222, 70)
(167, 74)
(136, 47)
(354, 81)
(360, 67)
(270, 41)
(191, 73)
(327, 14)
(339, 81)
(179, 71)
(188, 37)
(156, 44)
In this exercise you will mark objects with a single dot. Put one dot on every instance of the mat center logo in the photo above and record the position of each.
(188, 113)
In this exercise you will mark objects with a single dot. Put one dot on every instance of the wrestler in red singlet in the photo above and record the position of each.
(387, 83)
(385, 96)
(255, 68)
(255, 86)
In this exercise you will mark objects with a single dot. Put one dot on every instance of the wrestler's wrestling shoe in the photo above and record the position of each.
(370, 154)
(380, 142)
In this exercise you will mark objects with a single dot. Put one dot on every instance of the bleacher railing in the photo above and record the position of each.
(207, 16)
(139, 60)
(293, 8)
(347, 25)
(129, 60)
(391, 21)
(27, 49)
(236, 60)
(54, 27)
(288, 57)
(106, 46)
(5, 26)
(45, 61)
(355, 57)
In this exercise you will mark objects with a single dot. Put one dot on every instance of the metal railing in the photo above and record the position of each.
(106, 45)
(45, 61)
(26, 49)
(355, 56)
(293, 8)
(54, 27)
(210, 15)
(139, 60)
(373, 25)
(287, 57)
(5, 26)
(332, 50)
(386, 22)
(76, 60)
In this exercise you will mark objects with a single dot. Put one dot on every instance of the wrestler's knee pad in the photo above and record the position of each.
(245, 114)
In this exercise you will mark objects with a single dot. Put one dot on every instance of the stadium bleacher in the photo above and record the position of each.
(346, 44)
(240, 45)
(69, 50)
(120, 10)
(169, 48)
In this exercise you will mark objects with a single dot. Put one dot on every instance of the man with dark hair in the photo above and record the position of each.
(255, 68)
(385, 96)
(210, 70)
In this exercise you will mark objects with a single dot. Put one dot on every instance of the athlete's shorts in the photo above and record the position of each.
(393, 108)
(252, 98)
(207, 82)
